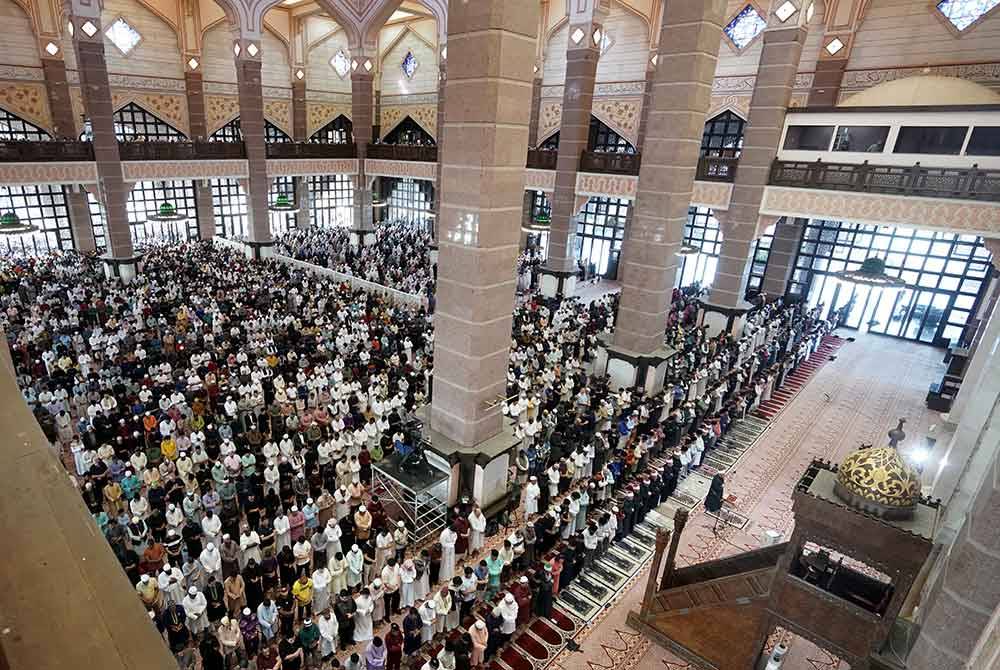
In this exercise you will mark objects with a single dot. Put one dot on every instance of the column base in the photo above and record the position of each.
(631, 369)
(260, 250)
(362, 238)
(125, 269)
(724, 319)
(556, 283)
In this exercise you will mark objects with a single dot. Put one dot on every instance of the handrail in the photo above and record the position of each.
(608, 162)
(541, 159)
(964, 183)
(22, 151)
(402, 152)
(311, 150)
(716, 168)
(147, 150)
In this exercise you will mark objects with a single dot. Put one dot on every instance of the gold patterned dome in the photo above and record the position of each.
(878, 480)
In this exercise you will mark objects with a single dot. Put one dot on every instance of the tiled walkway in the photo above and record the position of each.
(852, 400)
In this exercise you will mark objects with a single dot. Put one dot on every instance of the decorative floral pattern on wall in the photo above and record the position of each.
(612, 186)
(279, 112)
(220, 110)
(68, 172)
(621, 115)
(29, 101)
(133, 171)
(424, 115)
(540, 180)
(740, 104)
(549, 119)
(300, 167)
(711, 194)
(407, 169)
(170, 108)
(318, 114)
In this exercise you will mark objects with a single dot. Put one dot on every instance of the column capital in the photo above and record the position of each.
(246, 46)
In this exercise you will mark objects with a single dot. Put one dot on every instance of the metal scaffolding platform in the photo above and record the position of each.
(417, 496)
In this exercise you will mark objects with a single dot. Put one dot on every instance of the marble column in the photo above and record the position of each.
(491, 45)
(251, 96)
(300, 133)
(681, 93)
(779, 61)
(586, 24)
(362, 115)
(88, 40)
(781, 258)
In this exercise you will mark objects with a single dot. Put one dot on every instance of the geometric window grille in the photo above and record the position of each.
(410, 200)
(229, 204)
(282, 222)
(14, 128)
(132, 123)
(331, 200)
(409, 65)
(702, 231)
(341, 64)
(758, 264)
(745, 26)
(145, 199)
(600, 138)
(963, 13)
(723, 136)
(540, 205)
(43, 206)
(338, 131)
(231, 133)
(600, 230)
(946, 276)
(408, 131)
(97, 222)
(123, 35)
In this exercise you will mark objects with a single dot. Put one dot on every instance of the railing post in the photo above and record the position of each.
(915, 172)
(970, 177)
(814, 175)
(861, 176)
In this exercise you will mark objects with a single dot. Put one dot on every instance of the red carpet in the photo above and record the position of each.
(798, 379)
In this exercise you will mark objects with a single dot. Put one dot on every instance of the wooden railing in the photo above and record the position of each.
(311, 150)
(609, 163)
(716, 168)
(180, 151)
(542, 159)
(966, 183)
(54, 150)
(402, 152)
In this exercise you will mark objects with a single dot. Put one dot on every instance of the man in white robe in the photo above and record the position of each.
(508, 610)
(363, 629)
(531, 495)
(327, 633)
(211, 561)
(428, 617)
(448, 538)
(195, 607)
(477, 530)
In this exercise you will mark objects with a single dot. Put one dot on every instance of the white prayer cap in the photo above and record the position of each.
(331, 522)
(144, 579)
(309, 501)
(171, 507)
(401, 524)
(508, 598)
(533, 478)
(225, 621)
(295, 508)
(128, 473)
(362, 508)
(135, 519)
(171, 532)
(152, 615)
(524, 580)
(614, 508)
(193, 590)
(376, 582)
(166, 567)
(354, 547)
(246, 611)
(430, 604)
(210, 546)
(480, 624)
(225, 536)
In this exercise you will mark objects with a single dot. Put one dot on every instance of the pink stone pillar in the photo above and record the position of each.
(781, 257)
(97, 101)
(491, 45)
(206, 209)
(779, 61)
(442, 80)
(195, 88)
(252, 125)
(536, 111)
(300, 133)
(362, 116)
(586, 19)
(680, 97)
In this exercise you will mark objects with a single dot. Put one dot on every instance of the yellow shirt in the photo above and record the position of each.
(303, 592)
(169, 448)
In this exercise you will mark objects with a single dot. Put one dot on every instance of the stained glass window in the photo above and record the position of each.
(409, 64)
(123, 35)
(963, 13)
(341, 64)
(745, 26)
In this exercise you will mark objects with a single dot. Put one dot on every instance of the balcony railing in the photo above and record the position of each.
(54, 150)
(311, 150)
(542, 159)
(402, 152)
(607, 162)
(716, 168)
(180, 151)
(966, 183)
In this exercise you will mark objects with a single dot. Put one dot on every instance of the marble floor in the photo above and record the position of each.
(851, 400)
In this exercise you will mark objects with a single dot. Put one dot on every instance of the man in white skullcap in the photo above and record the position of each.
(428, 617)
(195, 606)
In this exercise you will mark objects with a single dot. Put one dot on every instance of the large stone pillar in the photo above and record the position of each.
(205, 208)
(647, 96)
(586, 25)
(78, 208)
(536, 110)
(442, 80)
(194, 86)
(781, 258)
(247, 50)
(681, 92)
(362, 115)
(491, 45)
(779, 61)
(88, 41)
(300, 133)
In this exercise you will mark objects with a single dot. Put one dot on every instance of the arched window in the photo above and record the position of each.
(14, 128)
(723, 136)
(409, 132)
(338, 131)
(231, 132)
(133, 123)
(600, 138)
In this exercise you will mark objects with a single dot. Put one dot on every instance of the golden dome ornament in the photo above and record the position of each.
(880, 482)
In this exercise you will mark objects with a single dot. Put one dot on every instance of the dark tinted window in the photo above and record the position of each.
(985, 141)
(868, 139)
(930, 140)
(809, 138)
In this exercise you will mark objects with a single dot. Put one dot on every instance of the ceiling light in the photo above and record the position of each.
(89, 28)
(51, 48)
(252, 49)
(193, 63)
(236, 49)
(834, 46)
(577, 36)
(785, 11)
(299, 74)
(871, 273)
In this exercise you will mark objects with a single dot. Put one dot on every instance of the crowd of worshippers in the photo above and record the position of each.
(223, 416)
(398, 256)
